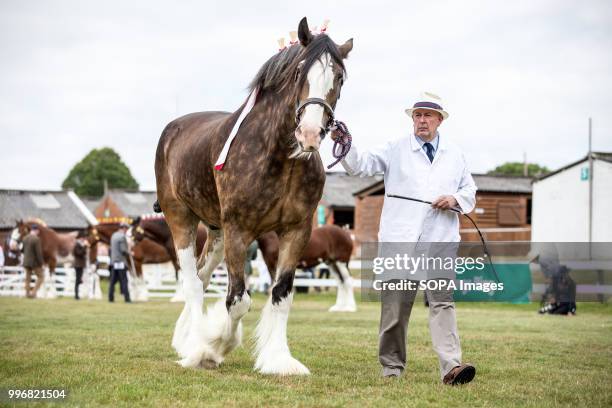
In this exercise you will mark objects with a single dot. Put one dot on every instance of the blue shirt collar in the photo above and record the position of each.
(435, 142)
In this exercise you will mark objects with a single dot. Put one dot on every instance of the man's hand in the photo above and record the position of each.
(334, 134)
(444, 202)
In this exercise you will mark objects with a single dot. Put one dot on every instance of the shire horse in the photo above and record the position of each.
(331, 245)
(56, 247)
(272, 181)
(151, 233)
(144, 251)
(156, 229)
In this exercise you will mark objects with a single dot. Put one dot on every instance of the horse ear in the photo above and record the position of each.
(346, 48)
(304, 33)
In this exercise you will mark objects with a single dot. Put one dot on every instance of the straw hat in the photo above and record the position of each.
(429, 101)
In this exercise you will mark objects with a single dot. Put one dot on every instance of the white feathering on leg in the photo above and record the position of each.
(345, 299)
(272, 350)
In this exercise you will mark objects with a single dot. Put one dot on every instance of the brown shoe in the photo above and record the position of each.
(461, 374)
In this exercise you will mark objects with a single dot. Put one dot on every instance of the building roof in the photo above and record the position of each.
(91, 203)
(58, 209)
(133, 203)
(340, 187)
(603, 156)
(503, 184)
(485, 183)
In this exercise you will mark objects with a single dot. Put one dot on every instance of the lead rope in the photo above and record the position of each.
(342, 144)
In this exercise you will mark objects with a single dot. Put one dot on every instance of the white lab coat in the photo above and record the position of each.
(408, 172)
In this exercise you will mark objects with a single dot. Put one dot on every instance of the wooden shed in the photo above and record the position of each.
(503, 210)
(121, 204)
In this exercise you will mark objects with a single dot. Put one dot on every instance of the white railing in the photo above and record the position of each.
(12, 283)
(159, 282)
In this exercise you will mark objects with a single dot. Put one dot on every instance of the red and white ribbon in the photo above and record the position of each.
(247, 108)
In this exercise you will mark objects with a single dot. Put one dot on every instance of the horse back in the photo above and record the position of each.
(337, 241)
(183, 162)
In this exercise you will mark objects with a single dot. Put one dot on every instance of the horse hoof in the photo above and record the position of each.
(285, 365)
(338, 308)
(200, 361)
(209, 364)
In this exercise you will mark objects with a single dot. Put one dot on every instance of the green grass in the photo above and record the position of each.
(120, 355)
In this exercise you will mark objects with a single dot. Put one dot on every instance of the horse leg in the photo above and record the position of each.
(272, 350)
(223, 320)
(51, 292)
(189, 333)
(345, 298)
(211, 255)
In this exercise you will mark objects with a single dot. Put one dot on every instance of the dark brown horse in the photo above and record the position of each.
(272, 180)
(144, 251)
(328, 244)
(157, 230)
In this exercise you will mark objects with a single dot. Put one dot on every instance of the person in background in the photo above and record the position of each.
(80, 260)
(119, 262)
(33, 261)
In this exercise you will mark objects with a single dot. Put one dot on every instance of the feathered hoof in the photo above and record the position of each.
(342, 308)
(281, 365)
(203, 358)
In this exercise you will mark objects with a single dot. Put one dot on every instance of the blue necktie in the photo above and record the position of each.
(430, 151)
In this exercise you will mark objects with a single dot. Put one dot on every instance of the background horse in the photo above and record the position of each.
(10, 247)
(272, 180)
(56, 247)
(145, 251)
(331, 245)
(156, 229)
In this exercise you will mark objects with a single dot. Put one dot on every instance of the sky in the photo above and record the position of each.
(519, 77)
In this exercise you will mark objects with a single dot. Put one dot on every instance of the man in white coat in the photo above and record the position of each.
(427, 166)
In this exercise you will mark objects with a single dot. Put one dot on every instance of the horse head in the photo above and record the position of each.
(18, 234)
(319, 76)
(307, 76)
(136, 231)
(93, 236)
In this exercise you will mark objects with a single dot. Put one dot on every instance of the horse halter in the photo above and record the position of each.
(316, 101)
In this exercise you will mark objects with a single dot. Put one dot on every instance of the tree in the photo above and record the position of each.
(518, 168)
(87, 176)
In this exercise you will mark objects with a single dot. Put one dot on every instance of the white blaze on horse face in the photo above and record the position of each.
(14, 240)
(320, 79)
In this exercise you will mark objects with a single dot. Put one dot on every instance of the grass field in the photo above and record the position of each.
(120, 355)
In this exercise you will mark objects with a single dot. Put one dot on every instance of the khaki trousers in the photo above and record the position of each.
(396, 307)
(40, 278)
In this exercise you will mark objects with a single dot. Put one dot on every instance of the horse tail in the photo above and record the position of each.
(156, 207)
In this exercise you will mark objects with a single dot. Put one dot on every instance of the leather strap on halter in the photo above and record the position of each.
(317, 101)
